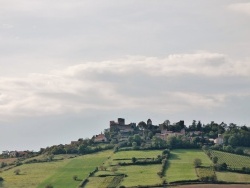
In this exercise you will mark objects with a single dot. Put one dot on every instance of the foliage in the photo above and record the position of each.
(133, 159)
(3, 164)
(163, 168)
(49, 186)
(75, 177)
(215, 159)
(197, 162)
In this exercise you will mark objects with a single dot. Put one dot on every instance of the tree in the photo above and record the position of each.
(137, 139)
(134, 145)
(3, 164)
(205, 148)
(133, 159)
(197, 162)
(199, 126)
(50, 157)
(17, 171)
(228, 149)
(158, 142)
(232, 140)
(142, 125)
(239, 151)
(215, 160)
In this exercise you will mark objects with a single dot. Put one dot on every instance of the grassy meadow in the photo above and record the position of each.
(233, 177)
(136, 174)
(58, 173)
(180, 166)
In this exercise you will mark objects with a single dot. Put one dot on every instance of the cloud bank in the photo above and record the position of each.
(175, 83)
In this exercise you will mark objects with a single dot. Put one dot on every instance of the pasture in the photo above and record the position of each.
(137, 154)
(233, 177)
(136, 174)
(58, 173)
(180, 165)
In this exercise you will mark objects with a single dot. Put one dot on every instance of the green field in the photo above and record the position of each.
(141, 175)
(58, 173)
(137, 154)
(136, 174)
(233, 177)
(232, 160)
(180, 166)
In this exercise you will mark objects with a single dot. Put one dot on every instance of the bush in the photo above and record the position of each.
(75, 177)
(1, 179)
(49, 186)
(166, 152)
(239, 151)
(220, 167)
(197, 162)
(17, 171)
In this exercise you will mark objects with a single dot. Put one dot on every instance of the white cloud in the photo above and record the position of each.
(240, 7)
(133, 82)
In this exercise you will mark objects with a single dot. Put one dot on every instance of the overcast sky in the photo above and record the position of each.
(69, 67)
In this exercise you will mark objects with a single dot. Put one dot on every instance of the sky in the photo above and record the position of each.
(69, 67)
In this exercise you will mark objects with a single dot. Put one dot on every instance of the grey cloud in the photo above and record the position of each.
(180, 81)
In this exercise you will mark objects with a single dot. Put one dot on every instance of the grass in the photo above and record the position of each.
(140, 175)
(31, 174)
(180, 165)
(58, 173)
(232, 160)
(136, 174)
(233, 177)
(137, 154)
(80, 166)
(94, 182)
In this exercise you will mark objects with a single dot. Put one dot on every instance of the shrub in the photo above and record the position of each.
(239, 151)
(134, 159)
(75, 177)
(197, 162)
(17, 171)
(215, 160)
(49, 186)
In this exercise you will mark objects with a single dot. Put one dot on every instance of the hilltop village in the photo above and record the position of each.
(146, 135)
(172, 153)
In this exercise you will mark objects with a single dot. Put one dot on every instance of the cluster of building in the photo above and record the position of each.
(125, 130)
(15, 153)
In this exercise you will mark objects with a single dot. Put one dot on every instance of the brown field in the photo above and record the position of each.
(8, 160)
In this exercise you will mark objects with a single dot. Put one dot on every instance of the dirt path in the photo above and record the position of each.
(214, 186)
